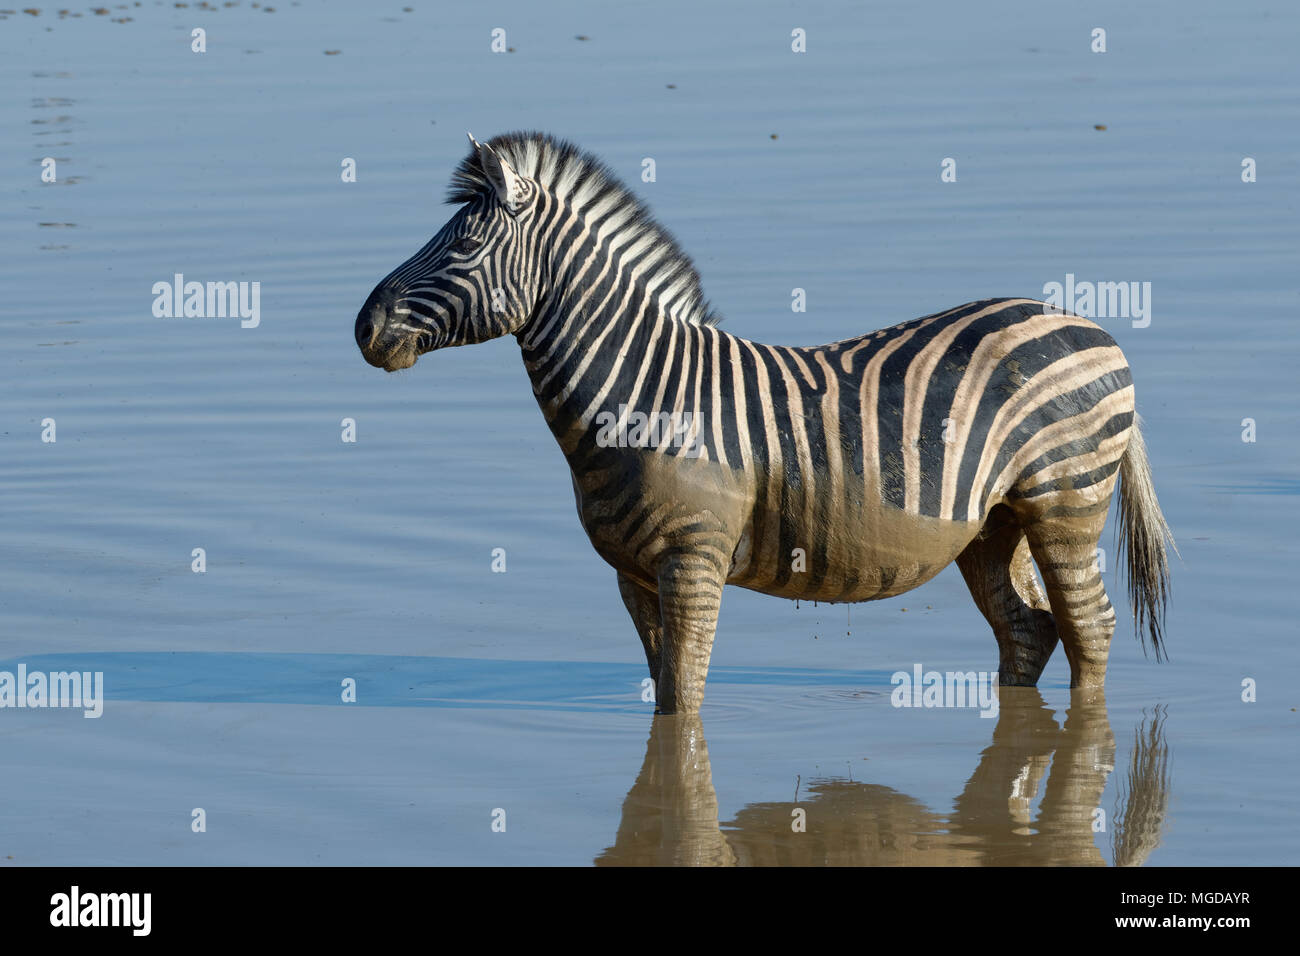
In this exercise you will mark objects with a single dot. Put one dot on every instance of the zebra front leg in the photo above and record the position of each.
(643, 604)
(690, 593)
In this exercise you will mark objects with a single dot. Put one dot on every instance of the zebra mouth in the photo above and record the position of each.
(406, 354)
(400, 360)
(385, 339)
(400, 356)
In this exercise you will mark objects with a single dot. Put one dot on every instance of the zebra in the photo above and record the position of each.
(991, 434)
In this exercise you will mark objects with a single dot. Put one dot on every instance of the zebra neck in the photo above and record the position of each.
(583, 363)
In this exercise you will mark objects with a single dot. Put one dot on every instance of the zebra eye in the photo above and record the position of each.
(465, 246)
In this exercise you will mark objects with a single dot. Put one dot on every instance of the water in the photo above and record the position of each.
(479, 691)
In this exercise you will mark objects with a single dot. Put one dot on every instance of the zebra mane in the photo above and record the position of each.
(567, 172)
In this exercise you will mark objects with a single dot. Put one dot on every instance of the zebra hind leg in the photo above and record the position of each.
(1000, 574)
(643, 605)
(1063, 541)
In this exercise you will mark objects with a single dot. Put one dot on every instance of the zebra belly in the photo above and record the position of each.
(861, 554)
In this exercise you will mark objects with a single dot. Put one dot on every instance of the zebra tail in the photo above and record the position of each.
(1142, 535)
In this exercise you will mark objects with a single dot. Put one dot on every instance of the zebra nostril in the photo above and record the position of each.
(365, 333)
(372, 317)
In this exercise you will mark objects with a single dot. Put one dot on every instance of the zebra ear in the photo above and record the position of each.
(512, 190)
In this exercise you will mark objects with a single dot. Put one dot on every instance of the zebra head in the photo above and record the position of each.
(470, 282)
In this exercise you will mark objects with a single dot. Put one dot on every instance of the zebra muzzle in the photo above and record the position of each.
(381, 345)
(372, 318)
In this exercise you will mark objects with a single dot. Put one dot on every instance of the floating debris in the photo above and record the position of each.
(1099, 126)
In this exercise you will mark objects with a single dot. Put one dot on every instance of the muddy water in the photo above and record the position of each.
(371, 562)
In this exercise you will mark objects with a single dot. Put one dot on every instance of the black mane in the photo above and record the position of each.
(564, 170)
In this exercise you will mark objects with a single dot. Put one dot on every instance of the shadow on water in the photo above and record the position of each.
(383, 680)
(670, 816)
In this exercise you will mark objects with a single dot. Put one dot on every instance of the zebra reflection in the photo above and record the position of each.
(670, 816)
